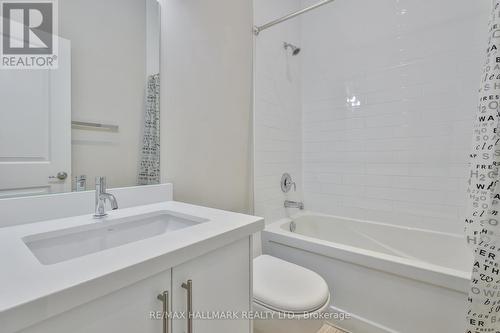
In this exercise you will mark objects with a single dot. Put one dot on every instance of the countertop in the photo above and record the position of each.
(31, 292)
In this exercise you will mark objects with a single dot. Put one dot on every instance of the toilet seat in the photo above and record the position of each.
(281, 286)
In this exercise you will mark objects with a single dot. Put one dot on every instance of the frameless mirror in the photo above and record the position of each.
(96, 112)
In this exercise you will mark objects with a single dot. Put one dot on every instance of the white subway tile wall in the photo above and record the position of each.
(278, 117)
(373, 118)
(389, 90)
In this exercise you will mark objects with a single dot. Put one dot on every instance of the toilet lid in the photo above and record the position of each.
(286, 287)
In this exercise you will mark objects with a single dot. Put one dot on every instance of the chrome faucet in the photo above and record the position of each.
(100, 198)
(294, 204)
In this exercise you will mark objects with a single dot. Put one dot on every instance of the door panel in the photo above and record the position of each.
(35, 128)
(127, 310)
(221, 283)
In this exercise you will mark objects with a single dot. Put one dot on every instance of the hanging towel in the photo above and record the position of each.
(149, 168)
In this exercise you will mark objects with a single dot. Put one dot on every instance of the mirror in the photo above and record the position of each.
(96, 113)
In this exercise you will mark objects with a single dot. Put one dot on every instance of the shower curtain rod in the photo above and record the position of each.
(258, 29)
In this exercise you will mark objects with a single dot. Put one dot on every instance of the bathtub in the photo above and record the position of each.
(388, 278)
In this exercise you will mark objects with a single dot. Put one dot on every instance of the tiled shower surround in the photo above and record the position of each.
(387, 101)
(278, 110)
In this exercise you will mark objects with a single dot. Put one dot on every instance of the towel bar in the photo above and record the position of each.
(94, 126)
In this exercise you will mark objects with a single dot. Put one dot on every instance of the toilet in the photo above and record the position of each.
(287, 298)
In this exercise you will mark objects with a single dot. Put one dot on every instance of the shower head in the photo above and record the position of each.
(295, 49)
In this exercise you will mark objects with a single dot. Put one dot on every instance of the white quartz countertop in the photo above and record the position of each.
(31, 292)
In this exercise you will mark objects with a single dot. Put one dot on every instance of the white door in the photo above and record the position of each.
(35, 129)
(220, 283)
(133, 309)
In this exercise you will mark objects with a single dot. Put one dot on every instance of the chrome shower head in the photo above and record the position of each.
(295, 49)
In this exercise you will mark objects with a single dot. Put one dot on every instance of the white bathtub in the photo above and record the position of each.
(389, 278)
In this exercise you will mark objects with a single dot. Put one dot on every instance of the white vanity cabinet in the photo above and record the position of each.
(126, 310)
(220, 281)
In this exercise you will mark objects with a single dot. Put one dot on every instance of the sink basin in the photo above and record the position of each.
(65, 244)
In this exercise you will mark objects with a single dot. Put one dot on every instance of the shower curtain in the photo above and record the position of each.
(482, 221)
(149, 168)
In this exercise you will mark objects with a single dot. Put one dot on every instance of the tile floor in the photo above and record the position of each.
(330, 329)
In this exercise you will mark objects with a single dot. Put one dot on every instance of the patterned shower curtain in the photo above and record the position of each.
(149, 168)
(482, 220)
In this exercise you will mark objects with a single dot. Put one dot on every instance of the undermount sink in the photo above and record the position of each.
(61, 245)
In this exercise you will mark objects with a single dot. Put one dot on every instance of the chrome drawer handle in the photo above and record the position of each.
(163, 297)
(189, 287)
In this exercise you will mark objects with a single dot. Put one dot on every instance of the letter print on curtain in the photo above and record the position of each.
(149, 168)
(481, 223)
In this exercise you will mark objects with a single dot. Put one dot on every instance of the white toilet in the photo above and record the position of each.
(290, 295)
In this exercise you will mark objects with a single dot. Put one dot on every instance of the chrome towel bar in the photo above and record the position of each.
(94, 126)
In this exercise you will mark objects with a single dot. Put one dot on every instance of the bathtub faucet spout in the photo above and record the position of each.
(294, 204)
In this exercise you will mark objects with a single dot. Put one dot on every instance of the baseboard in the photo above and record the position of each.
(356, 324)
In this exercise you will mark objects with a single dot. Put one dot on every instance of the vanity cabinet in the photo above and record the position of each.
(126, 310)
(220, 284)
(211, 284)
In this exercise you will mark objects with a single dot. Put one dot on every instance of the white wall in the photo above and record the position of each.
(278, 135)
(206, 101)
(413, 66)
(108, 84)
(153, 37)
(387, 93)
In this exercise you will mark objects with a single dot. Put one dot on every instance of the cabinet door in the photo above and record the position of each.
(129, 310)
(220, 283)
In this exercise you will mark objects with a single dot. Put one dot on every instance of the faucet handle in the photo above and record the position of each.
(101, 182)
(287, 182)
